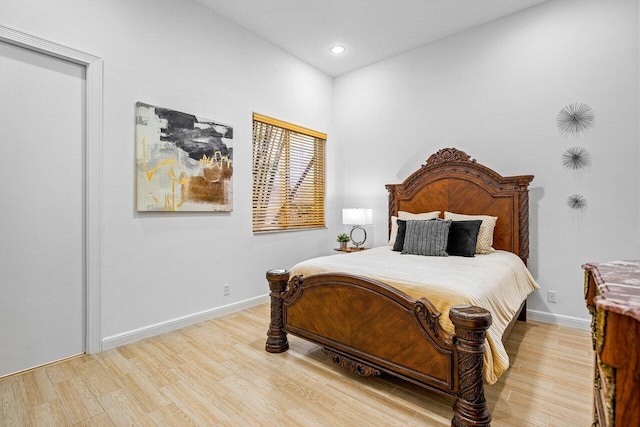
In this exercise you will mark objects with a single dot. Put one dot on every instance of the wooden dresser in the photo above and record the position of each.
(612, 292)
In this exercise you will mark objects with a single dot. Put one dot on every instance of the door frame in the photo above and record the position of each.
(93, 168)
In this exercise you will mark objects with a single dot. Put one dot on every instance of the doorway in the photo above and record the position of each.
(92, 99)
(42, 313)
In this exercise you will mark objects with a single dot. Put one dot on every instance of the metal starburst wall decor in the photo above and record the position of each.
(575, 119)
(576, 158)
(577, 202)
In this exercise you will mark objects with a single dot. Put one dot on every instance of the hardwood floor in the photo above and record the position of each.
(217, 373)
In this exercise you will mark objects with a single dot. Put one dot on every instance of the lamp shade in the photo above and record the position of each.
(357, 216)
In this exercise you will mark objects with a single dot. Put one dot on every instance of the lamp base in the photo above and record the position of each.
(355, 242)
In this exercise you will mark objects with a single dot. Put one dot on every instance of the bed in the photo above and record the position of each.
(370, 315)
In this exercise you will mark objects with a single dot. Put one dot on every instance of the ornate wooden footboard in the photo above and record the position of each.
(369, 327)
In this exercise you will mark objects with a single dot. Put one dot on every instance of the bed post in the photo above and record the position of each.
(276, 336)
(471, 323)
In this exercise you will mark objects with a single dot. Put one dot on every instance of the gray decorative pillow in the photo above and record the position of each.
(427, 238)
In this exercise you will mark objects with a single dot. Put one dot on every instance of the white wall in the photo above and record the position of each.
(177, 54)
(495, 92)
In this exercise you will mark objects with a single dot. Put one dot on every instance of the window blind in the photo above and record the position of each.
(288, 176)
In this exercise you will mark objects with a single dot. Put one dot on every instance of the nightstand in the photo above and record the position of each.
(351, 249)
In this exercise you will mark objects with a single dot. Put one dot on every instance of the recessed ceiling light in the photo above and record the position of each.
(337, 49)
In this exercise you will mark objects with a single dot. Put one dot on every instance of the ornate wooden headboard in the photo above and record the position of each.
(452, 181)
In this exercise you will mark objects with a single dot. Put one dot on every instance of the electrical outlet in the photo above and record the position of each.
(225, 290)
(551, 296)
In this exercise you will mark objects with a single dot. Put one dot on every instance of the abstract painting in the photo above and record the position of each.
(183, 162)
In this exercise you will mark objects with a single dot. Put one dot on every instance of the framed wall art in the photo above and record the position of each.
(183, 162)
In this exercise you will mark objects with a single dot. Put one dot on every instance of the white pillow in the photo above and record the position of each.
(485, 235)
(406, 216)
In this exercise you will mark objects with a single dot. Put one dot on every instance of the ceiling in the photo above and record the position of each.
(370, 30)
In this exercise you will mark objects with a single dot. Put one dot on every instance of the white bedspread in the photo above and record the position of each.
(498, 281)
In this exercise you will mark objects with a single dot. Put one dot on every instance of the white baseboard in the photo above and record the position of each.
(559, 319)
(179, 322)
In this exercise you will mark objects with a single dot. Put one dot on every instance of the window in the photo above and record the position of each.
(288, 176)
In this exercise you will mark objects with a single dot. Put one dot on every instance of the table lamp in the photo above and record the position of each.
(357, 217)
